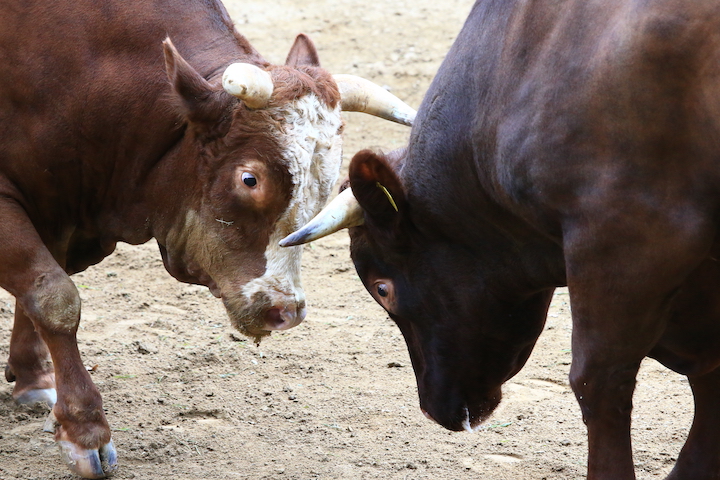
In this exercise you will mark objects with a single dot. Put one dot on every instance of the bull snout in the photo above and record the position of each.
(262, 312)
(284, 317)
(457, 410)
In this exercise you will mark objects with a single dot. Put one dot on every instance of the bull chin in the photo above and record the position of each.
(462, 416)
(247, 315)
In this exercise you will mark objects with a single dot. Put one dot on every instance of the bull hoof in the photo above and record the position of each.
(99, 463)
(47, 395)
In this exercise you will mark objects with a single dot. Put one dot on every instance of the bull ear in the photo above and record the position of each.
(303, 52)
(377, 187)
(197, 100)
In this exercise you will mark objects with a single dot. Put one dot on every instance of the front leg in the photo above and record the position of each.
(82, 433)
(622, 276)
(604, 390)
(50, 300)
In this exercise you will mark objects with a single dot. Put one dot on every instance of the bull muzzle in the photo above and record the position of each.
(264, 311)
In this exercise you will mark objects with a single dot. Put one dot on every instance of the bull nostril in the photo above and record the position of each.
(273, 319)
(278, 318)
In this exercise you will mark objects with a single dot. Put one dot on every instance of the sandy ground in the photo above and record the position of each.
(335, 398)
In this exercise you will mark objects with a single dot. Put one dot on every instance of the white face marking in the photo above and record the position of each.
(312, 153)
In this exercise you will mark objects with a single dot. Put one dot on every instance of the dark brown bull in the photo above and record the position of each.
(573, 142)
(97, 146)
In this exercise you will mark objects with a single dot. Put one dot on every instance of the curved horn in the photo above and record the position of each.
(249, 83)
(360, 95)
(343, 212)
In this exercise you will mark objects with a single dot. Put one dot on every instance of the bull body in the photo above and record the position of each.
(128, 120)
(561, 143)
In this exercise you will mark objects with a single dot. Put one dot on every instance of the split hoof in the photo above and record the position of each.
(47, 395)
(89, 463)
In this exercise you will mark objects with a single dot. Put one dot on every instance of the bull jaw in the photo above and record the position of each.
(187, 274)
(214, 289)
(463, 416)
(202, 278)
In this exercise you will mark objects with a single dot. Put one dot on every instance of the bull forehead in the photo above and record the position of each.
(308, 134)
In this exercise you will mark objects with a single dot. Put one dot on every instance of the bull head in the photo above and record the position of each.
(275, 156)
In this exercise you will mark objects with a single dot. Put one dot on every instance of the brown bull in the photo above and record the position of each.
(97, 146)
(571, 142)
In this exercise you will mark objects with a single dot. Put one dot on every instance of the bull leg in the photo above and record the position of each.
(49, 298)
(604, 392)
(622, 279)
(83, 433)
(29, 364)
(699, 458)
(610, 339)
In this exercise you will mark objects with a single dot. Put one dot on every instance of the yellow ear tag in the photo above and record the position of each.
(387, 194)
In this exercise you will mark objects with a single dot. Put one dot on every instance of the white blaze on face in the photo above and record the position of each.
(312, 152)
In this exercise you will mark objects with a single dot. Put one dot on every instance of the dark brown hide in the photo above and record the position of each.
(561, 143)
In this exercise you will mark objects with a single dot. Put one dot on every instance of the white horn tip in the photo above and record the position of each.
(342, 212)
(406, 116)
(295, 238)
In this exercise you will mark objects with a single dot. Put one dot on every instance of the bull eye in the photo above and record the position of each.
(382, 290)
(249, 179)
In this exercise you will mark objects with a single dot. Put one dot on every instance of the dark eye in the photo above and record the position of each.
(249, 179)
(382, 290)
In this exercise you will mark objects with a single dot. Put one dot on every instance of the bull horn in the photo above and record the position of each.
(343, 212)
(360, 95)
(249, 83)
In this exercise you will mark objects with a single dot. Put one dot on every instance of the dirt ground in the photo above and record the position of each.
(334, 398)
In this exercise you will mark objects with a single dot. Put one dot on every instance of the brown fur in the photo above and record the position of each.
(290, 85)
